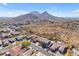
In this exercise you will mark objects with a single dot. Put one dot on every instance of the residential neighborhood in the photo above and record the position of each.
(15, 43)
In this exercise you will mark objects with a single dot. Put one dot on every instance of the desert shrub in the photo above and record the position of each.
(69, 53)
(18, 43)
(10, 46)
(54, 38)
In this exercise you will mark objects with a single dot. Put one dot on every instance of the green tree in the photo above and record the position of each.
(25, 44)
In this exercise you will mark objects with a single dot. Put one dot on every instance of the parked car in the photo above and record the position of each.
(19, 39)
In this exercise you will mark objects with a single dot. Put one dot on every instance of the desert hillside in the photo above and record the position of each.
(64, 30)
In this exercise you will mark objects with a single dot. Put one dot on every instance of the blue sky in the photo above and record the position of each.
(56, 9)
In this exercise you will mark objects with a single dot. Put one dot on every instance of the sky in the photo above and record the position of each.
(56, 9)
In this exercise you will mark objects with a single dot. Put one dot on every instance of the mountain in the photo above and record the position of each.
(35, 13)
(5, 18)
(35, 16)
(47, 16)
(25, 17)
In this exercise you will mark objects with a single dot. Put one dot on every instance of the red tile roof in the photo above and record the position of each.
(15, 51)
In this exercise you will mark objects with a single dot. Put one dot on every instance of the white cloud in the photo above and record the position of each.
(12, 13)
(76, 11)
(5, 4)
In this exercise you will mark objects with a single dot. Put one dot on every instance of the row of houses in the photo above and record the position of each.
(8, 32)
(53, 46)
(6, 42)
(7, 37)
(17, 50)
(50, 45)
(43, 42)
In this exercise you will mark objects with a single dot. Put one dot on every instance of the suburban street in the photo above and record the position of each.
(41, 50)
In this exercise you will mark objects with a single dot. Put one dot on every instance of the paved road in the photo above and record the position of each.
(41, 50)
(48, 53)
(59, 54)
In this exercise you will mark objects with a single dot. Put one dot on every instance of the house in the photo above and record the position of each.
(31, 37)
(34, 39)
(37, 44)
(54, 47)
(5, 30)
(11, 40)
(5, 42)
(75, 51)
(7, 54)
(44, 42)
(21, 37)
(28, 53)
(0, 36)
(40, 54)
(2, 53)
(62, 47)
(15, 51)
(5, 35)
(15, 33)
(1, 30)
(0, 42)
(24, 36)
